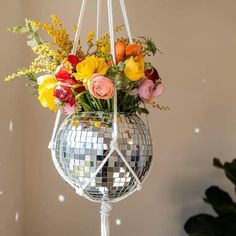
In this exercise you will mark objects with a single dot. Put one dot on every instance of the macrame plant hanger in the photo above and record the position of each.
(105, 205)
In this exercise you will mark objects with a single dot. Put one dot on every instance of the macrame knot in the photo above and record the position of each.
(114, 144)
(106, 208)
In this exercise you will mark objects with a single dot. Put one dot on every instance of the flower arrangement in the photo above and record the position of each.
(85, 81)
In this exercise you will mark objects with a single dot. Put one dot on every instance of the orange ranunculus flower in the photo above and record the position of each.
(139, 57)
(122, 50)
(132, 50)
(120, 47)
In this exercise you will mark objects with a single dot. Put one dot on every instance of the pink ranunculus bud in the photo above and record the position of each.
(101, 87)
(159, 90)
(145, 90)
(68, 109)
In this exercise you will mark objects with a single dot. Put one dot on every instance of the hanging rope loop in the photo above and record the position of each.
(114, 147)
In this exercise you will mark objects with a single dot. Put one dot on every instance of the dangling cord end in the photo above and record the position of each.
(106, 208)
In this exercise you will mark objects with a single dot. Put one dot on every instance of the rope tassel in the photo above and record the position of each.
(106, 208)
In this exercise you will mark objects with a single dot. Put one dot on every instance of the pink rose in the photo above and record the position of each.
(101, 87)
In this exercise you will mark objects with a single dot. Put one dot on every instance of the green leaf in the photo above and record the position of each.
(200, 225)
(230, 171)
(220, 200)
(141, 110)
(217, 163)
(207, 225)
(229, 168)
(226, 224)
(222, 203)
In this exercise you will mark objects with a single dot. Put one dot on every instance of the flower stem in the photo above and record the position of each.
(108, 104)
(85, 106)
(126, 96)
(100, 104)
(89, 100)
(97, 102)
(112, 103)
(81, 101)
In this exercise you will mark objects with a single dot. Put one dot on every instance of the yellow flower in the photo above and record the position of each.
(89, 66)
(59, 35)
(90, 38)
(105, 49)
(134, 68)
(47, 84)
(75, 123)
(97, 124)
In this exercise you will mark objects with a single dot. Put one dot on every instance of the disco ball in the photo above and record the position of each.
(82, 143)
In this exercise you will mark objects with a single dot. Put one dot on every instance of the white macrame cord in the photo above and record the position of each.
(98, 19)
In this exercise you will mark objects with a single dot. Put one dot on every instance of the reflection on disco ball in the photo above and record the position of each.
(82, 143)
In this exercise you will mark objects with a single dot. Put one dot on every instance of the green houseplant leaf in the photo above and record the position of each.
(221, 201)
(224, 223)
(229, 169)
(200, 225)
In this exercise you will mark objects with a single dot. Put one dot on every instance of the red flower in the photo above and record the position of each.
(71, 82)
(63, 93)
(62, 74)
(80, 89)
(72, 101)
(74, 60)
(152, 74)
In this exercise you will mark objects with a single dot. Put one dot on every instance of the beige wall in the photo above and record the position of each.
(198, 68)
(11, 97)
